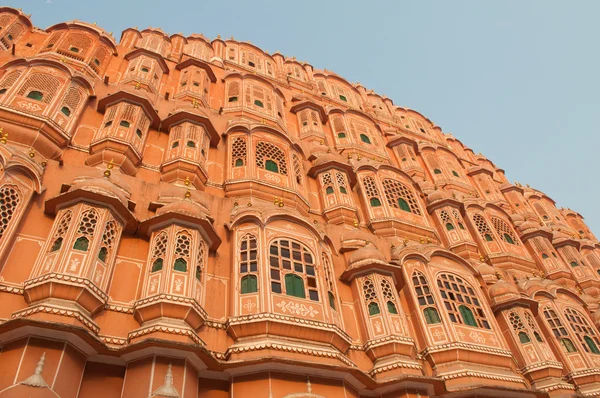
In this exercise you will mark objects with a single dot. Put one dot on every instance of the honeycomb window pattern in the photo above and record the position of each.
(394, 191)
(238, 152)
(371, 190)
(42, 82)
(10, 79)
(482, 227)
(504, 231)
(266, 151)
(9, 201)
(87, 224)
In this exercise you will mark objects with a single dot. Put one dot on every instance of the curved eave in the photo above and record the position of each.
(516, 302)
(312, 105)
(369, 266)
(445, 202)
(93, 29)
(199, 63)
(184, 115)
(510, 188)
(402, 139)
(126, 96)
(479, 170)
(147, 226)
(526, 235)
(54, 204)
(333, 164)
(142, 51)
(560, 242)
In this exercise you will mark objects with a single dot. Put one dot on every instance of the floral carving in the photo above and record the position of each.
(298, 309)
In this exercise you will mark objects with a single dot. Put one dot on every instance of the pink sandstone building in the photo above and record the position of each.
(181, 217)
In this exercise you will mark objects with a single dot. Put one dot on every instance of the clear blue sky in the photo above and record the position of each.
(515, 80)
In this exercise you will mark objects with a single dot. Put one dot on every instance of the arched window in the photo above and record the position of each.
(295, 263)
(482, 227)
(248, 262)
(259, 103)
(365, 138)
(9, 201)
(370, 297)
(249, 284)
(35, 95)
(371, 191)
(449, 226)
(270, 157)
(524, 338)
(61, 231)
(238, 152)
(40, 87)
(87, 226)
(505, 231)
(461, 302)
(329, 190)
(519, 327)
(437, 171)
(425, 298)
(399, 196)
(586, 334)
(159, 252)
(388, 295)
(124, 123)
(559, 330)
(182, 252)
(65, 111)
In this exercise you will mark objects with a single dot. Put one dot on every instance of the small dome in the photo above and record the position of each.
(502, 288)
(437, 195)
(113, 186)
(486, 270)
(328, 157)
(354, 234)
(524, 226)
(366, 253)
(175, 193)
(184, 206)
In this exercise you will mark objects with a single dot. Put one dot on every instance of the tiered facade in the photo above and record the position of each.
(189, 218)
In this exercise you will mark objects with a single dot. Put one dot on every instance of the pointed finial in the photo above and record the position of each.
(218, 36)
(3, 136)
(249, 204)
(235, 204)
(349, 156)
(276, 201)
(481, 258)
(405, 242)
(422, 240)
(31, 153)
(36, 379)
(109, 167)
(187, 181)
(355, 223)
(188, 194)
(358, 157)
(498, 275)
(138, 85)
(195, 103)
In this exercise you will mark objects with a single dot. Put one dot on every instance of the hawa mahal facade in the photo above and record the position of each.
(181, 217)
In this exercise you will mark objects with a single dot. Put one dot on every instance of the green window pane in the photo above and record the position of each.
(467, 315)
(331, 300)
(138, 132)
(239, 163)
(341, 135)
(66, 111)
(329, 190)
(191, 144)
(294, 286)
(488, 237)
(56, 245)
(403, 204)
(35, 95)
(574, 264)
(157, 265)
(391, 308)
(373, 309)
(437, 171)
(431, 316)
(249, 284)
(508, 239)
(343, 190)
(233, 99)
(271, 166)
(524, 338)
(544, 256)
(568, 344)
(124, 123)
(455, 173)
(538, 337)
(198, 273)
(82, 243)
(449, 226)
(258, 103)
(364, 138)
(102, 254)
(343, 98)
(180, 265)
(375, 202)
(591, 345)
(74, 49)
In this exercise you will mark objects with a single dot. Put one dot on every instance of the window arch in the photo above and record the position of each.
(44, 85)
(585, 333)
(370, 297)
(182, 252)
(9, 202)
(329, 279)
(108, 239)
(461, 302)
(238, 152)
(87, 227)
(270, 156)
(519, 327)
(293, 263)
(388, 295)
(61, 231)
(482, 227)
(371, 191)
(248, 263)
(505, 232)
(559, 330)
(399, 196)
(425, 298)
(160, 251)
